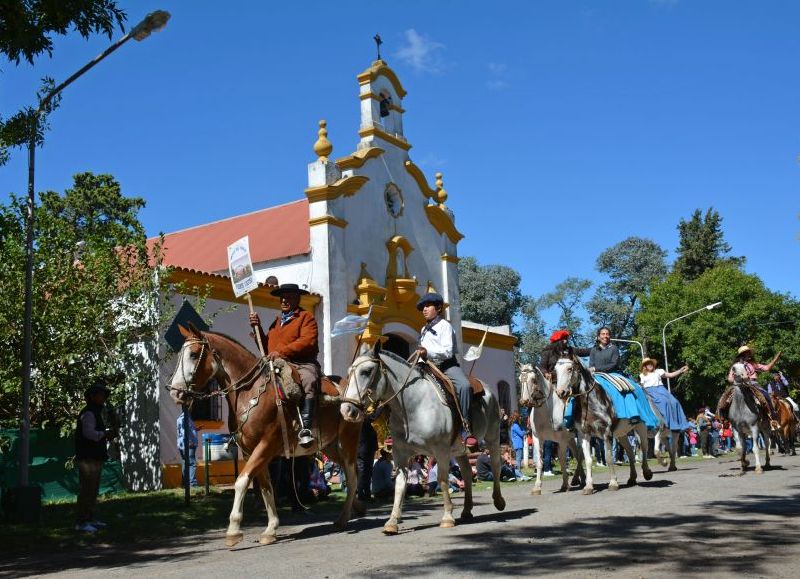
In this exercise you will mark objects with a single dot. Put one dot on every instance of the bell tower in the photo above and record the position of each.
(381, 97)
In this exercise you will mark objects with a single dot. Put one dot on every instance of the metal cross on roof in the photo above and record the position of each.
(378, 42)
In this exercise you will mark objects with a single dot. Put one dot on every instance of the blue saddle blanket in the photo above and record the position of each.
(632, 405)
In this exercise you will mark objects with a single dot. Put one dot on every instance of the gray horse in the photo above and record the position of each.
(421, 422)
(546, 417)
(745, 417)
(594, 415)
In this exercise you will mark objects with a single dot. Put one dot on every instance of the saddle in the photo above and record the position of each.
(725, 401)
(330, 385)
(447, 384)
(617, 382)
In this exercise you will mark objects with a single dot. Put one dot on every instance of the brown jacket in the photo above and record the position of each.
(296, 340)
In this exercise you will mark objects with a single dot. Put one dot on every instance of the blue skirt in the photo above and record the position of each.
(631, 405)
(669, 407)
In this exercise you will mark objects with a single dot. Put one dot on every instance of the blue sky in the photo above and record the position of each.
(561, 127)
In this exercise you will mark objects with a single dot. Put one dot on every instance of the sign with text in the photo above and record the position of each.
(241, 267)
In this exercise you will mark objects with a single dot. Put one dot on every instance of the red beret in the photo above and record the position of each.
(559, 335)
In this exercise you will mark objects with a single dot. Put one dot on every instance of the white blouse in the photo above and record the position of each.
(652, 379)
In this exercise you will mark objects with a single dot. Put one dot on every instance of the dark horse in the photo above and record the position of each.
(255, 419)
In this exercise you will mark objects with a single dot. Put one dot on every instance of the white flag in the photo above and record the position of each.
(351, 324)
(241, 267)
(475, 352)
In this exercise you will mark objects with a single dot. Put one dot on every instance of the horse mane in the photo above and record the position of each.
(229, 338)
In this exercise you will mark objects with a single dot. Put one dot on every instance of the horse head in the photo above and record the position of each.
(740, 373)
(532, 391)
(568, 377)
(197, 364)
(365, 384)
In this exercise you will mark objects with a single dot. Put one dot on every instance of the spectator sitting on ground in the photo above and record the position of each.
(484, 467)
(416, 474)
(382, 480)
(317, 483)
(511, 464)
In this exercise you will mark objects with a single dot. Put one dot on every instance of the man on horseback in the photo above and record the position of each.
(745, 356)
(558, 348)
(438, 344)
(293, 336)
(779, 387)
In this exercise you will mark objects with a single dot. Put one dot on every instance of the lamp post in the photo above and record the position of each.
(153, 22)
(641, 347)
(664, 335)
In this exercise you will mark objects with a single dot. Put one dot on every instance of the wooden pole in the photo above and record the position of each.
(256, 329)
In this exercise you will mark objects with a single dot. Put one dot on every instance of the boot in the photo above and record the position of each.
(305, 436)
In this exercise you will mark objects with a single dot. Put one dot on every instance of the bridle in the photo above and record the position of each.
(574, 381)
(524, 378)
(368, 391)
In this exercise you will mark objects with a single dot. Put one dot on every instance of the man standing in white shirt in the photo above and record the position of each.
(438, 344)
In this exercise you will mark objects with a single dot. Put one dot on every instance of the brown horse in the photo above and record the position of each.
(787, 422)
(255, 419)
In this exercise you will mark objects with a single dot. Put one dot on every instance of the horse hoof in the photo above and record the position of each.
(631, 483)
(447, 524)
(536, 492)
(663, 461)
(759, 470)
(500, 504)
(672, 468)
(564, 488)
(359, 508)
(339, 526)
(390, 529)
(265, 539)
(647, 475)
(589, 491)
(614, 486)
(466, 516)
(233, 540)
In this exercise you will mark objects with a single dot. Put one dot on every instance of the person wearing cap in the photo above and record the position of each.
(294, 337)
(744, 355)
(91, 441)
(558, 348)
(652, 380)
(779, 386)
(437, 343)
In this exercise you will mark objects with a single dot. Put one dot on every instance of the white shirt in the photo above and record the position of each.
(654, 378)
(439, 341)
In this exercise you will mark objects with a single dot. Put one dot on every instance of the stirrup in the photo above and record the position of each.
(774, 424)
(305, 437)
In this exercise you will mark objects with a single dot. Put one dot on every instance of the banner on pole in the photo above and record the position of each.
(351, 325)
(475, 352)
(240, 267)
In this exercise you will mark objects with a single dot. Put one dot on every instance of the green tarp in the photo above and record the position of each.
(49, 457)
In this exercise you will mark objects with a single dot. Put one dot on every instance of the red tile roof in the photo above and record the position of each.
(275, 232)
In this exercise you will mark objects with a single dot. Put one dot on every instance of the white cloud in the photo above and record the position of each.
(421, 53)
(497, 76)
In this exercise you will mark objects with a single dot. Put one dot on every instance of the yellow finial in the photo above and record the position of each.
(441, 194)
(323, 146)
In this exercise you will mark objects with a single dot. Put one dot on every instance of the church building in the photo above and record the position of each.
(369, 231)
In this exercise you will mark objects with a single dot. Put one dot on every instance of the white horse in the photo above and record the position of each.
(594, 415)
(421, 422)
(745, 418)
(547, 411)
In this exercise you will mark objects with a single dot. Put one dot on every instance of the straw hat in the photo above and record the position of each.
(647, 361)
(743, 349)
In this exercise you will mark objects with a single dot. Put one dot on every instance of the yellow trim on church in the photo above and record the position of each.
(450, 258)
(357, 159)
(327, 219)
(473, 336)
(418, 176)
(381, 134)
(441, 221)
(219, 288)
(371, 95)
(346, 187)
(380, 68)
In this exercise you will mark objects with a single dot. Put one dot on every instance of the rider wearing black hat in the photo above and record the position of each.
(438, 344)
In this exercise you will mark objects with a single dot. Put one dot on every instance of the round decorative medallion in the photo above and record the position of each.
(394, 200)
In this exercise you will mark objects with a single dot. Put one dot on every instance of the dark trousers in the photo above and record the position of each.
(89, 472)
(547, 459)
(463, 390)
(703, 440)
(364, 466)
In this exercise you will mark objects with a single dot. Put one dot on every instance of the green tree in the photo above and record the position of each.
(490, 294)
(568, 297)
(532, 336)
(94, 289)
(27, 28)
(707, 342)
(632, 265)
(702, 245)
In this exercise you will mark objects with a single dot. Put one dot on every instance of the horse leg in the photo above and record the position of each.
(537, 445)
(674, 444)
(497, 495)
(256, 463)
(754, 433)
(742, 447)
(766, 458)
(644, 442)
(657, 445)
(466, 474)
(626, 446)
(442, 475)
(562, 460)
(351, 476)
(269, 535)
(587, 459)
(390, 527)
(579, 477)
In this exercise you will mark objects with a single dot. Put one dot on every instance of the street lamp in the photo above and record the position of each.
(641, 347)
(664, 335)
(153, 22)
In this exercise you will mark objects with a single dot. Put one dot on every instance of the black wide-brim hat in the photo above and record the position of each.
(288, 288)
(94, 389)
(430, 298)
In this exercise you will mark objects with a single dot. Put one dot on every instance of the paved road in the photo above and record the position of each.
(702, 520)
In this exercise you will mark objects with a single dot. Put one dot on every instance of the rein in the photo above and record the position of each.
(368, 391)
